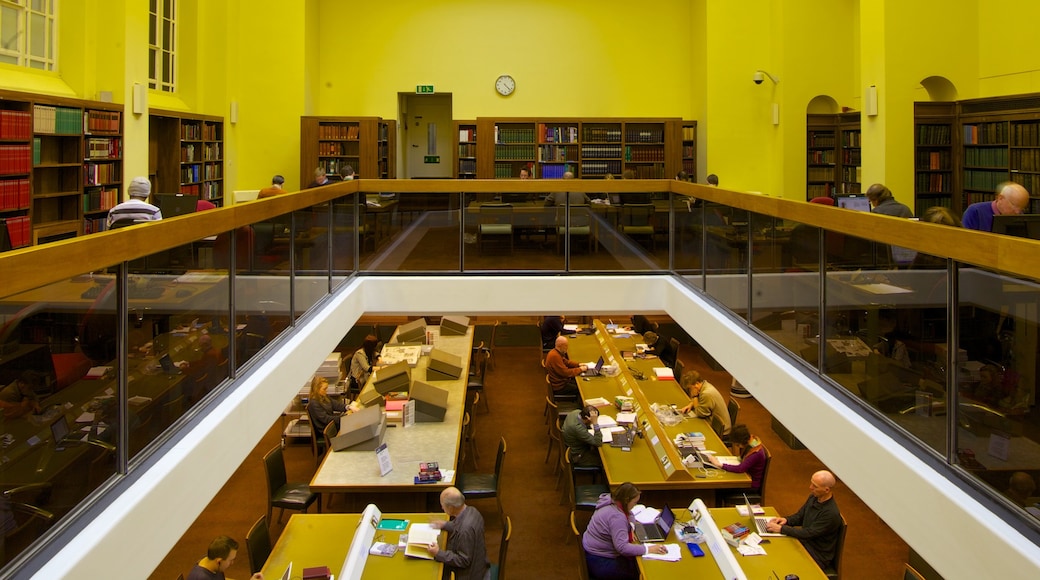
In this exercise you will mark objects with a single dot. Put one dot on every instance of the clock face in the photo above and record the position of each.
(505, 85)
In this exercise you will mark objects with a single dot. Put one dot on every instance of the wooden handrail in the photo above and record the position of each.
(35, 266)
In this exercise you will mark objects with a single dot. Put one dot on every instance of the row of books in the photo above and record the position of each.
(52, 120)
(853, 174)
(986, 134)
(688, 151)
(14, 194)
(514, 152)
(689, 133)
(934, 160)
(933, 183)
(467, 149)
(350, 131)
(1025, 159)
(503, 171)
(212, 190)
(213, 171)
(19, 230)
(850, 138)
(851, 156)
(101, 173)
(100, 199)
(644, 135)
(601, 134)
(923, 203)
(331, 166)
(514, 134)
(104, 148)
(1029, 181)
(986, 157)
(821, 157)
(190, 174)
(934, 134)
(555, 171)
(558, 134)
(467, 134)
(649, 171)
(213, 131)
(689, 166)
(101, 121)
(94, 225)
(191, 130)
(557, 153)
(820, 173)
(644, 154)
(601, 151)
(15, 125)
(15, 159)
(601, 167)
(985, 180)
(825, 139)
(849, 187)
(819, 190)
(467, 165)
(383, 132)
(211, 152)
(337, 148)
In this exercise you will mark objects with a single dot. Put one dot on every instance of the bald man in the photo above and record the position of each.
(817, 524)
(562, 370)
(1012, 199)
(465, 554)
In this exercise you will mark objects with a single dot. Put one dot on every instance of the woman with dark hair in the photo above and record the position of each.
(362, 364)
(610, 547)
(752, 456)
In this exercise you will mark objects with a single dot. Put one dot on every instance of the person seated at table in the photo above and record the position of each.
(1021, 488)
(817, 524)
(465, 554)
(322, 408)
(610, 545)
(582, 446)
(641, 324)
(363, 363)
(562, 198)
(989, 387)
(706, 400)
(220, 556)
(18, 398)
(660, 346)
(551, 328)
(562, 370)
(751, 453)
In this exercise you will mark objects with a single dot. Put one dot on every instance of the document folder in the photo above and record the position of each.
(361, 431)
(443, 366)
(431, 403)
(414, 331)
(454, 325)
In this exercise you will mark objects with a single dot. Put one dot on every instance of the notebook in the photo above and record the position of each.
(594, 371)
(759, 522)
(657, 531)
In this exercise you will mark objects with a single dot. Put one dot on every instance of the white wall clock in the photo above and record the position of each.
(505, 85)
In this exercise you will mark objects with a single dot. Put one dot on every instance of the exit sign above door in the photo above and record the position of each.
(424, 89)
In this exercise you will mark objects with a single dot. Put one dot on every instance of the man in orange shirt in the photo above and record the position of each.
(275, 189)
(562, 370)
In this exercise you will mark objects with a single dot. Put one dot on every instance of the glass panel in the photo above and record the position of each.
(60, 428)
(8, 59)
(636, 233)
(997, 435)
(168, 8)
(689, 235)
(152, 37)
(726, 257)
(166, 67)
(167, 33)
(311, 248)
(262, 286)
(578, 235)
(153, 6)
(37, 35)
(9, 28)
(37, 5)
(417, 232)
(151, 64)
(344, 237)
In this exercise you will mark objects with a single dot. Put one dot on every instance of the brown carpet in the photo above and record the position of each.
(541, 545)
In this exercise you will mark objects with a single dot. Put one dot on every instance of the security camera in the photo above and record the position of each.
(758, 78)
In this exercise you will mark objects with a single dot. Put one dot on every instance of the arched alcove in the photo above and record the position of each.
(939, 89)
(822, 105)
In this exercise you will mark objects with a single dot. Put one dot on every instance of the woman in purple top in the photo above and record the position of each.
(752, 456)
(610, 548)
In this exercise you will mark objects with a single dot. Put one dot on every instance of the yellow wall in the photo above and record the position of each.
(1009, 62)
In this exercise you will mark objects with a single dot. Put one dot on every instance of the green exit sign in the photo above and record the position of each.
(432, 159)
(424, 89)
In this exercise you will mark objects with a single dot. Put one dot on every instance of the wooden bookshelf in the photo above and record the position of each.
(365, 143)
(934, 155)
(60, 159)
(851, 163)
(689, 149)
(821, 175)
(466, 150)
(589, 148)
(186, 154)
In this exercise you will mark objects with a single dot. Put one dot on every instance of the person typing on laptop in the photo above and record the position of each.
(818, 523)
(582, 446)
(562, 369)
(610, 548)
(751, 453)
(219, 557)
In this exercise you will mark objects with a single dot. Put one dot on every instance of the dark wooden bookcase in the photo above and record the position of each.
(821, 157)
(689, 149)
(186, 154)
(367, 144)
(935, 141)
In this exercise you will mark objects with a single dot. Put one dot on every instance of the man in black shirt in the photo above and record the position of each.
(817, 524)
(551, 328)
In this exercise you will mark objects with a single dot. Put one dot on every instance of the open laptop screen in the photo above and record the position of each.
(853, 202)
(60, 429)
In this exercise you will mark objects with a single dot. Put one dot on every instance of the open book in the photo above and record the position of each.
(420, 536)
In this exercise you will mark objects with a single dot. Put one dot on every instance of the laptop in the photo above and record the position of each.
(594, 371)
(175, 204)
(758, 522)
(60, 432)
(657, 531)
(167, 365)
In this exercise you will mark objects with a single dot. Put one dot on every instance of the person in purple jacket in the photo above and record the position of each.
(1012, 199)
(609, 542)
(752, 456)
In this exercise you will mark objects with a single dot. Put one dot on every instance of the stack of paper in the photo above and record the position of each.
(673, 555)
(597, 402)
(664, 374)
(606, 421)
(625, 418)
(420, 536)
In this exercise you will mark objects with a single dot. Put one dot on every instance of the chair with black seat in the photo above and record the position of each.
(734, 408)
(677, 372)
(637, 221)
(911, 573)
(833, 571)
(281, 493)
(583, 565)
(498, 569)
(476, 381)
(468, 441)
(25, 520)
(258, 544)
(582, 497)
(317, 443)
(495, 222)
(557, 407)
(330, 431)
(674, 346)
(484, 485)
(555, 441)
(557, 396)
(718, 426)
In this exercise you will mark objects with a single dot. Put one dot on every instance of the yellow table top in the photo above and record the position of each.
(311, 540)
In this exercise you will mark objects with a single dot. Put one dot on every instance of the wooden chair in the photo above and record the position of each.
(317, 443)
(678, 371)
(484, 485)
(498, 570)
(583, 565)
(637, 220)
(476, 382)
(258, 544)
(581, 497)
(910, 573)
(734, 408)
(468, 445)
(555, 439)
(282, 494)
(26, 521)
(580, 225)
(495, 222)
(833, 571)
